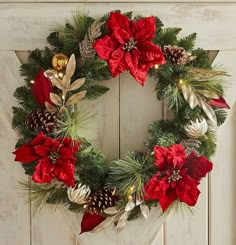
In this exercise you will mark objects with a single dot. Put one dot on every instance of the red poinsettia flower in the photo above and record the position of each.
(220, 103)
(129, 46)
(42, 87)
(54, 156)
(178, 176)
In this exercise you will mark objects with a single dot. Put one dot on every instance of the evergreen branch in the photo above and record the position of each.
(188, 42)
(44, 193)
(95, 91)
(132, 171)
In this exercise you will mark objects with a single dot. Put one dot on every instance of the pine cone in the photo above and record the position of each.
(176, 55)
(101, 200)
(43, 120)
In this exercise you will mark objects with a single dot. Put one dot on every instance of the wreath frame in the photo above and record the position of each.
(193, 108)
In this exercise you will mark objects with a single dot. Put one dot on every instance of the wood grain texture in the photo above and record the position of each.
(116, 1)
(14, 214)
(25, 26)
(222, 188)
(138, 108)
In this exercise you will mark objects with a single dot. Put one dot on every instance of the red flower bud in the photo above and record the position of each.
(42, 88)
(220, 103)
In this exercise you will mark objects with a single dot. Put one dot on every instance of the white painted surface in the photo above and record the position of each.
(124, 114)
(14, 215)
(26, 25)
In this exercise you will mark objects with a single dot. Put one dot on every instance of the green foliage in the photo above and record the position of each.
(188, 42)
(65, 38)
(221, 115)
(91, 168)
(96, 91)
(42, 194)
(208, 143)
(163, 133)
(202, 59)
(37, 60)
(94, 69)
(167, 36)
(132, 171)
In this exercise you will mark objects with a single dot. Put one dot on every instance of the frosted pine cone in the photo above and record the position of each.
(101, 200)
(42, 120)
(176, 55)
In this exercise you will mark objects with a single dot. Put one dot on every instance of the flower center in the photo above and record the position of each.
(53, 156)
(131, 44)
(175, 176)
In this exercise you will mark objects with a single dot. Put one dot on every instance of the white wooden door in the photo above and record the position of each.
(125, 113)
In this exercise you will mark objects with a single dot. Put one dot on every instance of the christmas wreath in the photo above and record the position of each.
(55, 126)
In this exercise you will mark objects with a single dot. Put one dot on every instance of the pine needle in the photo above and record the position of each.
(128, 172)
(78, 124)
(41, 194)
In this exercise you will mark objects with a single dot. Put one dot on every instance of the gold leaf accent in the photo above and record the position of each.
(70, 68)
(75, 98)
(145, 210)
(77, 84)
(122, 222)
(57, 82)
(200, 74)
(111, 211)
(208, 94)
(193, 101)
(209, 111)
(62, 109)
(87, 50)
(186, 91)
(49, 107)
(56, 99)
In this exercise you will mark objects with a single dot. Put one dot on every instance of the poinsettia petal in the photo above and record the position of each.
(220, 103)
(25, 154)
(166, 194)
(39, 139)
(41, 150)
(65, 153)
(118, 21)
(140, 74)
(117, 62)
(121, 35)
(176, 156)
(197, 167)
(145, 29)
(151, 54)
(42, 88)
(187, 191)
(65, 172)
(90, 221)
(131, 60)
(160, 157)
(105, 46)
(43, 171)
(150, 189)
(74, 145)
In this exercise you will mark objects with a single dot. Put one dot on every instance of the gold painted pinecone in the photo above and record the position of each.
(101, 200)
(42, 120)
(176, 55)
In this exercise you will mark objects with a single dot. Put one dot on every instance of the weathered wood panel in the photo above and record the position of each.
(26, 25)
(14, 214)
(118, 1)
(222, 186)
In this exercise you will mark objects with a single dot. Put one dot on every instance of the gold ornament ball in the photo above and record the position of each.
(59, 61)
